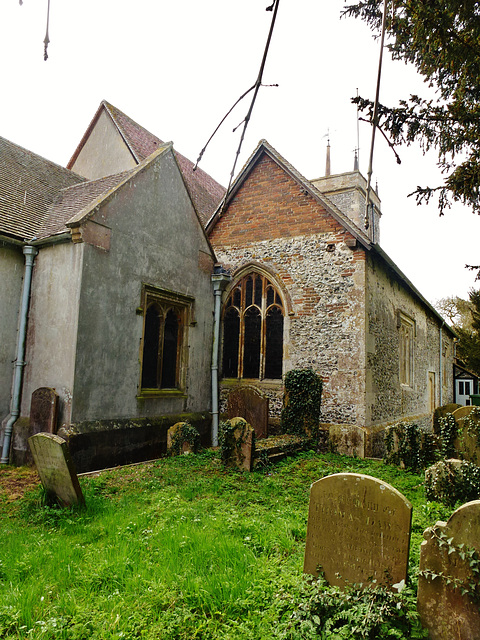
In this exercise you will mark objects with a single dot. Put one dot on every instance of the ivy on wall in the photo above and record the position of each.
(301, 402)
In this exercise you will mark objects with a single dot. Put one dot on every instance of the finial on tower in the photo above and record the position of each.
(327, 163)
(355, 160)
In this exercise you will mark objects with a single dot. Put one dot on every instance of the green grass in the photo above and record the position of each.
(178, 549)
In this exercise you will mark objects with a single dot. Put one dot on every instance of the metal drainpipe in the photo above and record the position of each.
(220, 278)
(440, 376)
(29, 252)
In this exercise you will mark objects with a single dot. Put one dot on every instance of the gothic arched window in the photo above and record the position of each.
(253, 330)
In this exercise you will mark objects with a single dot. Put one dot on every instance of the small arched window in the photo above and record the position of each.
(253, 330)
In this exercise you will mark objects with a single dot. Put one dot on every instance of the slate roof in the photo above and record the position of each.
(29, 185)
(205, 192)
(74, 199)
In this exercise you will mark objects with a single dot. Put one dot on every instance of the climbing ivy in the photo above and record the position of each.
(409, 446)
(448, 433)
(301, 402)
(471, 424)
(450, 482)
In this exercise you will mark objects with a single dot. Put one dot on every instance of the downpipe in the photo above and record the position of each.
(220, 278)
(29, 252)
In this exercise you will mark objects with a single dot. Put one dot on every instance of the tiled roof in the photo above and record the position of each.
(29, 185)
(74, 199)
(206, 193)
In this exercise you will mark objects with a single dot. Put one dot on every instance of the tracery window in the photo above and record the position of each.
(166, 318)
(253, 330)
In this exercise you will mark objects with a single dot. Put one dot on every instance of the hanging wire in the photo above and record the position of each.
(46, 41)
(375, 117)
(255, 88)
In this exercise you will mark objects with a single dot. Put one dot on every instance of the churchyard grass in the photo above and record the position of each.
(181, 549)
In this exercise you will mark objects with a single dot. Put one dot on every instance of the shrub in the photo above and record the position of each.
(452, 481)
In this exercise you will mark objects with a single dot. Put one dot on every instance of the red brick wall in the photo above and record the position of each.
(270, 204)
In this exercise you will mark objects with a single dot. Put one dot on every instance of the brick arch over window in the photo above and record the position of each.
(253, 326)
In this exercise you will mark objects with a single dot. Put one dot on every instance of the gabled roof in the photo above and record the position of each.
(205, 192)
(264, 147)
(29, 185)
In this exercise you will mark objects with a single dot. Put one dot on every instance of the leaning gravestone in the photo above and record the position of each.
(44, 411)
(55, 468)
(358, 530)
(445, 570)
(251, 405)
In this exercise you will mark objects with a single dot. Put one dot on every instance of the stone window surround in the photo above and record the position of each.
(243, 272)
(184, 305)
(406, 326)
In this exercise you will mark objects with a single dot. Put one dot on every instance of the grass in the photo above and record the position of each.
(177, 549)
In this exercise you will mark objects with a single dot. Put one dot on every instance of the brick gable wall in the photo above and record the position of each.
(271, 204)
(271, 222)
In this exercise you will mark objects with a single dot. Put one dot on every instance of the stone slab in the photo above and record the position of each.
(443, 610)
(252, 406)
(44, 411)
(242, 455)
(358, 530)
(55, 468)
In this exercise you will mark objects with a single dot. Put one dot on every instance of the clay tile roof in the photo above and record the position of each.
(206, 193)
(72, 200)
(29, 184)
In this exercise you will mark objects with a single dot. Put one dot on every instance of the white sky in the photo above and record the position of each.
(177, 66)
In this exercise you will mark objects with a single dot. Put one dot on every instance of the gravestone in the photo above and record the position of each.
(240, 444)
(468, 422)
(443, 610)
(55, 468)
(184, 445)
(358, 530)
(44, 411)
(251, 405)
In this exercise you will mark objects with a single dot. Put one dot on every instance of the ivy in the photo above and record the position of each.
(409, 446)
(448, 434)
(471, 424)
(452, 481)
(301, 402)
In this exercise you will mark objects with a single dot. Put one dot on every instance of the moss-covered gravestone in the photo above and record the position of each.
(448, 586)
(55, 468)
(358, 530)
(237, 443)
(182, 438)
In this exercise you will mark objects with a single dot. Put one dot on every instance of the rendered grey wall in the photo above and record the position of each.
(155, 239)
(52, 325)
(11, 278)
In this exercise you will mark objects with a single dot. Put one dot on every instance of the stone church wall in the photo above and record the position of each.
(325, 323)
(387, 398)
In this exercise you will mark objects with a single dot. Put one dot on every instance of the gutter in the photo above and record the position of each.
(220, 278)
(29, 252)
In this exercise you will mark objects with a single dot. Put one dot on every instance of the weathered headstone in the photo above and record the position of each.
(239, 444)
(467, 445)
(55, 468)
(445, 557)
(177, 441)
(358, 530)
(251, 405)
(44, 411)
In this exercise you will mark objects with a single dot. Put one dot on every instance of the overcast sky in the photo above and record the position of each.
(177, 67)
